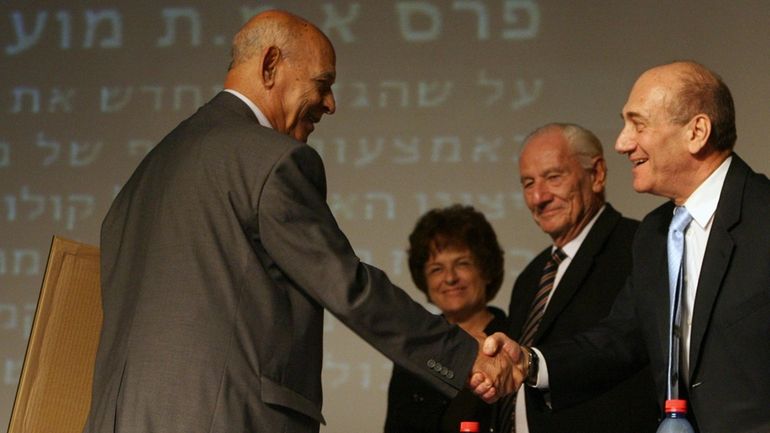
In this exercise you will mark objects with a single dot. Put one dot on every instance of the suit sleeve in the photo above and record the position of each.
(593, 361)
(300, 234)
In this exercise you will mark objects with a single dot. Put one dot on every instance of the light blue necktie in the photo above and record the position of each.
(675, 244)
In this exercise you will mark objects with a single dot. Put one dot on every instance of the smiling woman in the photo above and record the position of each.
(455, 259)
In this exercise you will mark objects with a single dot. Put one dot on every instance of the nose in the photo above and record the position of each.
(450, 276)
(329, 104)
(539, 194)
(624, 144)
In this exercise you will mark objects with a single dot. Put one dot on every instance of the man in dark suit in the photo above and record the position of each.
(679, 134)
(563, 175)
(220, 254)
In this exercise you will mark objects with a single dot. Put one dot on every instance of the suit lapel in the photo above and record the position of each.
(579, 267)
(716, 259)
(656, 280)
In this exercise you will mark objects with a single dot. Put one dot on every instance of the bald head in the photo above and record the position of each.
(286, 66)
(694, 89)
(270, 28)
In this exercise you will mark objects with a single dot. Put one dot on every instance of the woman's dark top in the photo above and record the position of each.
(416, 407)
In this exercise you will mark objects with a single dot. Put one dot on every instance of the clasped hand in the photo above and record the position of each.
(499, 369)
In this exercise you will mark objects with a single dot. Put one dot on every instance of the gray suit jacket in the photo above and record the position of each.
(218, 258)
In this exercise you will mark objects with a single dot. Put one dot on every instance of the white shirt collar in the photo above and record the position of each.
(702, 203)
(571, 248)
(257, 112)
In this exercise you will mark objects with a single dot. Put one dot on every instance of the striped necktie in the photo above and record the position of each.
(536, 312)
(537, 309)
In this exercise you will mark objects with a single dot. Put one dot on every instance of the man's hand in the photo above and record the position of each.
(499, 342)
(499, 369)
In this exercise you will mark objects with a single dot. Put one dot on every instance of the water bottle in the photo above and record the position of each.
(676, 418)
(469, 427)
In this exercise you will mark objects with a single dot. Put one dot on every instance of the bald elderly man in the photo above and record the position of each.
(220, 254)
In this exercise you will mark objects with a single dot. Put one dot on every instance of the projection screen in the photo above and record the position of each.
(433, 99)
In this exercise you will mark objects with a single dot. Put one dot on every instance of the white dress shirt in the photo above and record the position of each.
(702, 204)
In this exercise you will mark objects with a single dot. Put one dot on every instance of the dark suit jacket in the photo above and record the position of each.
(729, 388)
(583, 297)
(218, 258)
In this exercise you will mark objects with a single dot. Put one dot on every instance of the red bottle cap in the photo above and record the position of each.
(679, 406)
(469, 426)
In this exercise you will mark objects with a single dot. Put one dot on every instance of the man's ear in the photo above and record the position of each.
(270, 61)
(599, 174)
(698, 133)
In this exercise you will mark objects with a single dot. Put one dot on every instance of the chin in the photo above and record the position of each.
(553, 227)
(641, 187)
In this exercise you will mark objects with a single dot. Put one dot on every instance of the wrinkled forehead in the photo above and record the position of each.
(551, 140)
(317, 51)
(652, 92)
(315, 40)
(546, 151)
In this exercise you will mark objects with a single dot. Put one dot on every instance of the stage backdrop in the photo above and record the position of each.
(433, 98)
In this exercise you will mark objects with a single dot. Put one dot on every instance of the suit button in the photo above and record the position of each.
(438, 366)
(431, 363)
(450, 374)
(444, 371)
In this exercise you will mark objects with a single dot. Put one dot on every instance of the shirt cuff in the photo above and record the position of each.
(542, 371)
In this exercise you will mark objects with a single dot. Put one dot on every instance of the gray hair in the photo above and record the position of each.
(583, 143)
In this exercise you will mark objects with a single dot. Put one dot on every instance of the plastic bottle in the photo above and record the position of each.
(469, 427)
(676, 418)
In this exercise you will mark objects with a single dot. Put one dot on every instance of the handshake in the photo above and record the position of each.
(500, 368)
